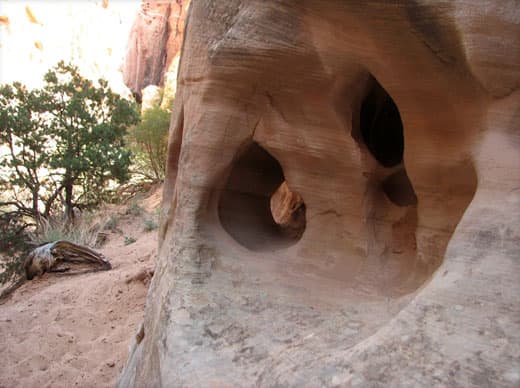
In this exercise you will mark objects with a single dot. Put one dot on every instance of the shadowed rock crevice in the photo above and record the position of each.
(255, 188)
(399, 189)
(381, 126)
(380, 130)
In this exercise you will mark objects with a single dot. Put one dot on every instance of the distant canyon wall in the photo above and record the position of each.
(154, 46)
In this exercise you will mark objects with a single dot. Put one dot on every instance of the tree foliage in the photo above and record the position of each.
(150, 137)
(62, 144)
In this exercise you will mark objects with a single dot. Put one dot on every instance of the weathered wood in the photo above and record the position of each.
(49, 257)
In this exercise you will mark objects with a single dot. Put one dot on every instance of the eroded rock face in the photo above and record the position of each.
(397, 125)
(155, 41)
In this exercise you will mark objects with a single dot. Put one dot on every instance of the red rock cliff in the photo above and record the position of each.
(154, 42)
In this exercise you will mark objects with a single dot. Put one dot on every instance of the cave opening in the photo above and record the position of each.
(381, 126)
(256, 206)
(381, 132)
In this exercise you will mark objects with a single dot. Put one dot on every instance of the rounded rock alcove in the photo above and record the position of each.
(256, 206)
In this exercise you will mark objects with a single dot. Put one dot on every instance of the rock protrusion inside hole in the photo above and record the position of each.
(288, 211)
(246, 206)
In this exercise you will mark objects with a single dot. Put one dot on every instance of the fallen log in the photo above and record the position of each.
(52, 257)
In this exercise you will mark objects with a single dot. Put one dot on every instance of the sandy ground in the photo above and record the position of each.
(66, 331)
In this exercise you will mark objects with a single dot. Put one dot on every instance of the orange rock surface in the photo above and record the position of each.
(155, 40)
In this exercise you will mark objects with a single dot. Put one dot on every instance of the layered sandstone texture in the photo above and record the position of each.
(342, 199)
(154, 45)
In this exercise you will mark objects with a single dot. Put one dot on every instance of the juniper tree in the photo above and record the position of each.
(61, 144)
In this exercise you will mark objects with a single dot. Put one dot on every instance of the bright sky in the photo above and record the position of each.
(35, 35)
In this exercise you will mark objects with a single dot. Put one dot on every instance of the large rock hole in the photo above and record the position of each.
(256, 207)
(381, 131)
(381, 126)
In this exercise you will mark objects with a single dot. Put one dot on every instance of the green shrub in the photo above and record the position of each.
(111, 223)
(150, 224)
(134, 209)
(13, 248)
(129, 240)
(150, 142)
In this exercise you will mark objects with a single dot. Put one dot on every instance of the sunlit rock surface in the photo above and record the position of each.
(397, 124)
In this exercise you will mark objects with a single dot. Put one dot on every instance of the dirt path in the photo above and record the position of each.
(66, 331)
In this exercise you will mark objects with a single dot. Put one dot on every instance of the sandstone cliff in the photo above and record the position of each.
(154, 43)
